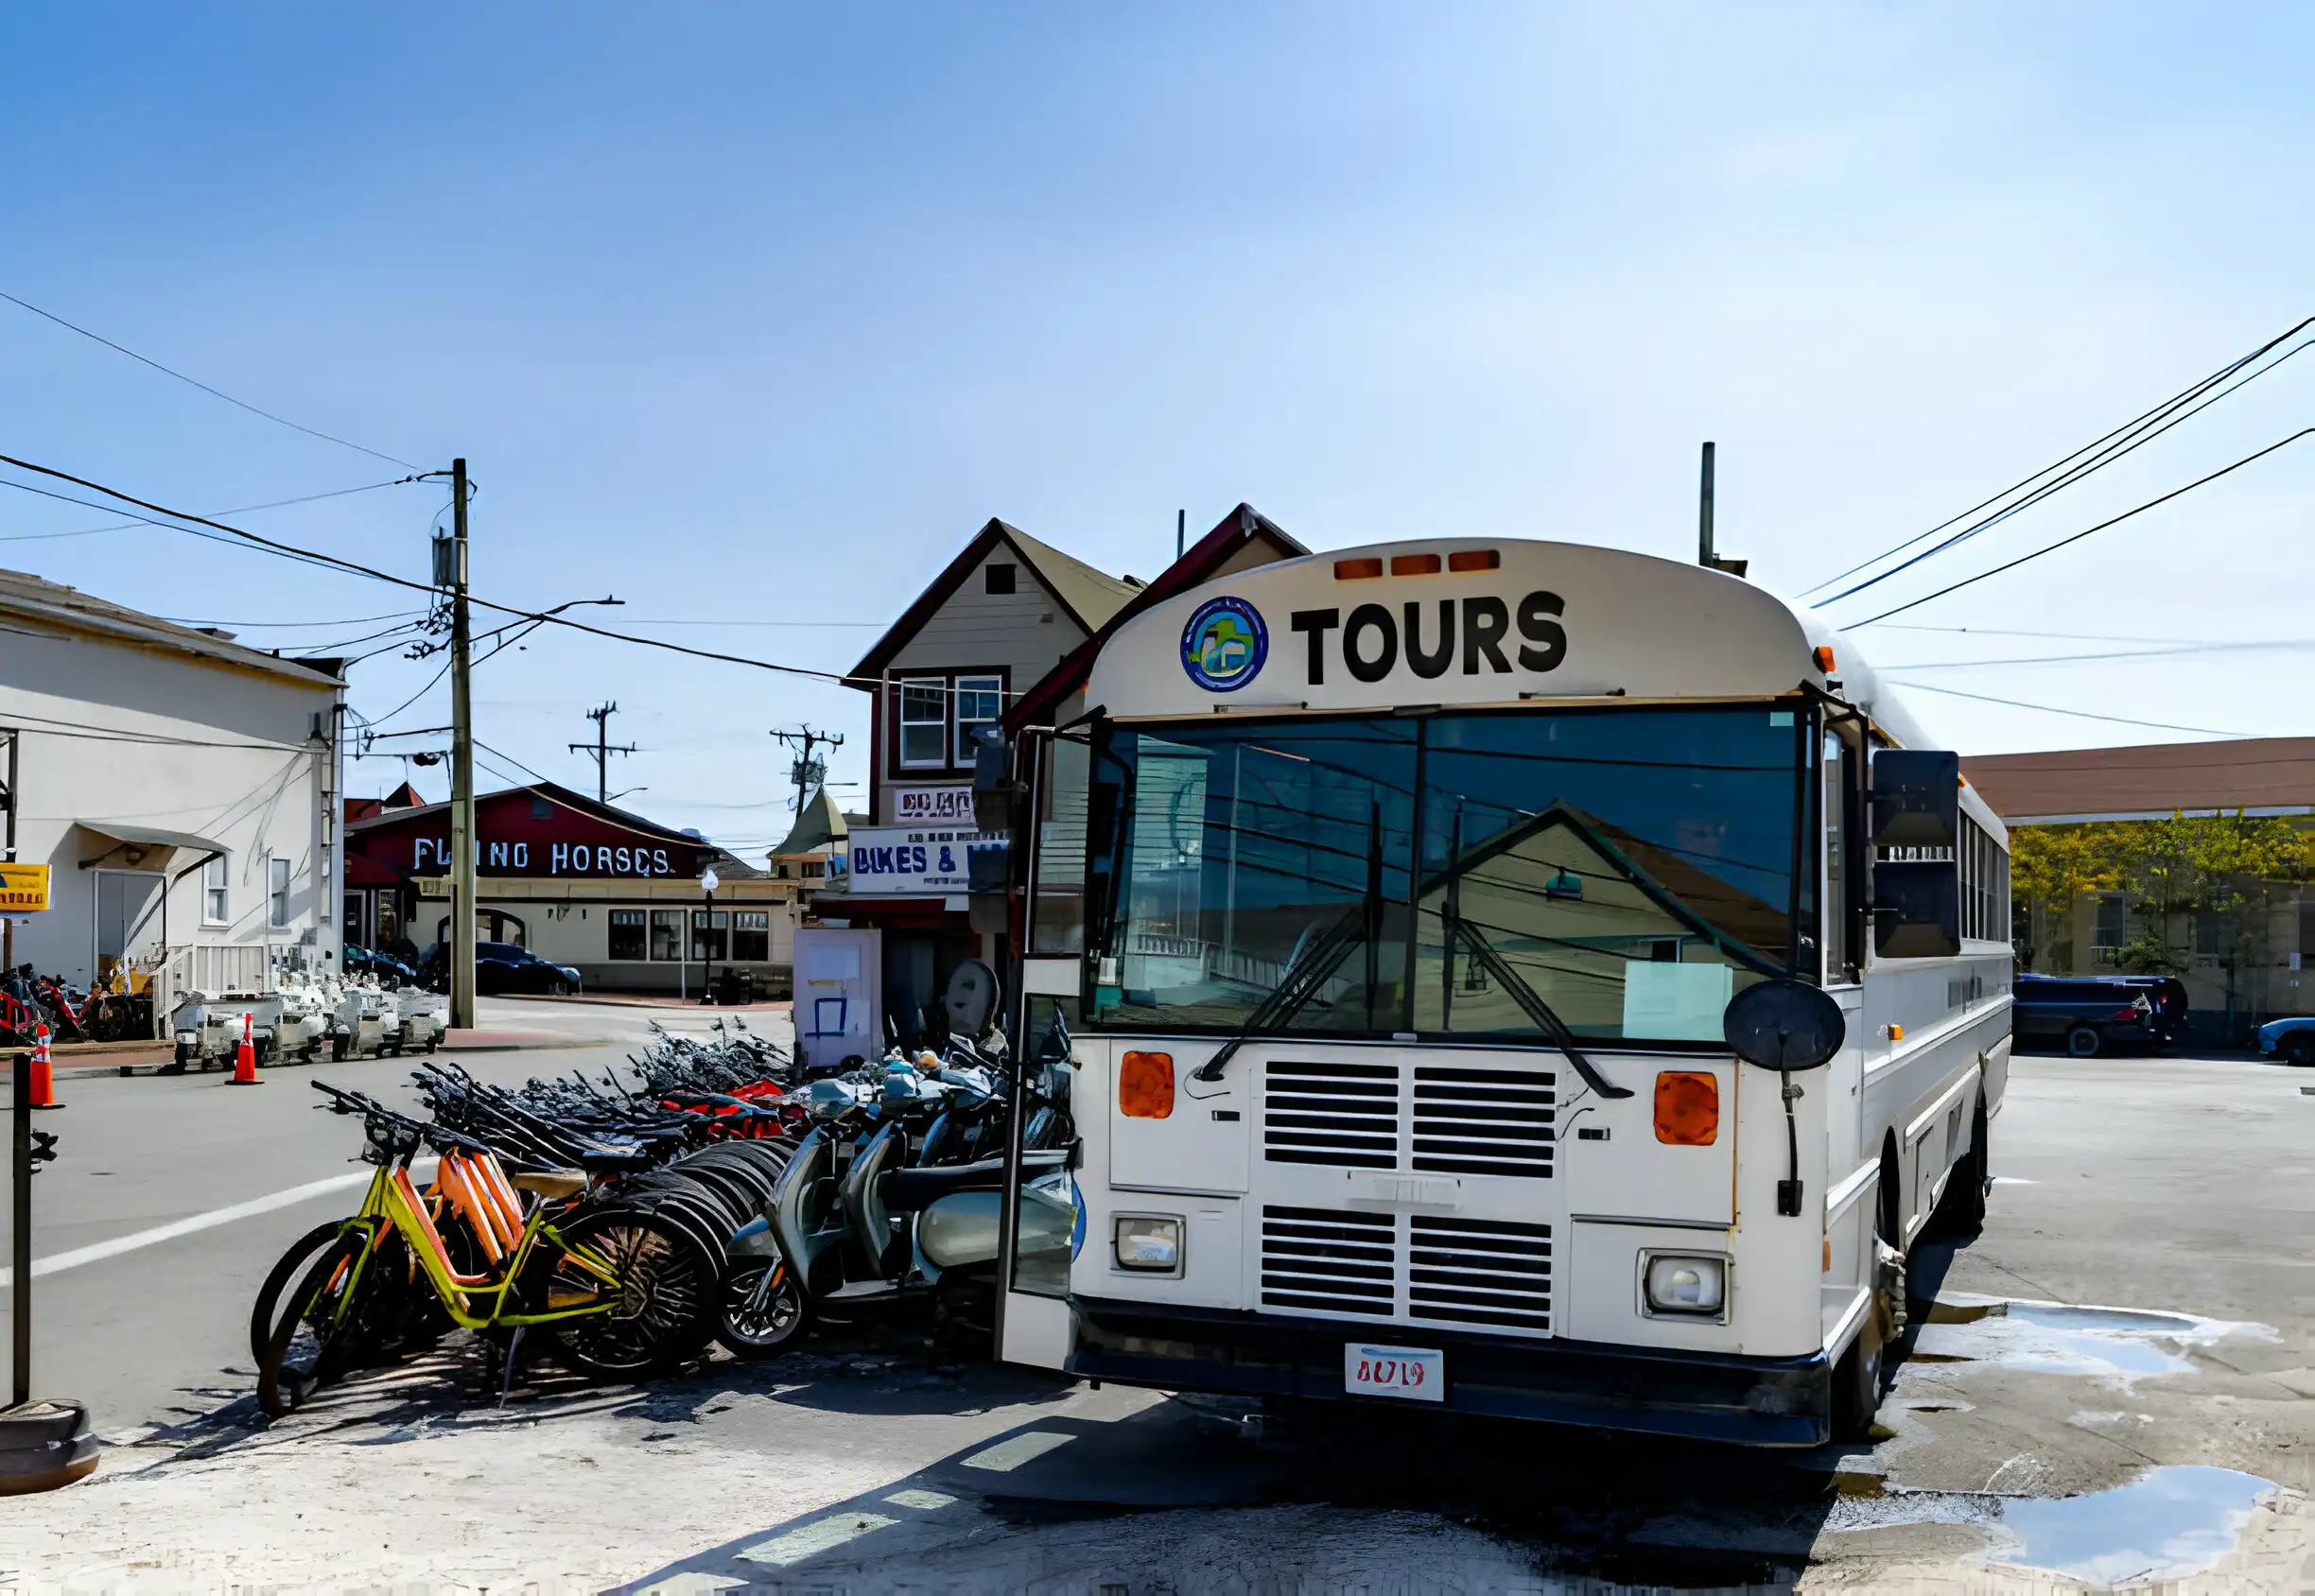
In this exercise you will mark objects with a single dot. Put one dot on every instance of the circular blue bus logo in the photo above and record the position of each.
(1224, 644)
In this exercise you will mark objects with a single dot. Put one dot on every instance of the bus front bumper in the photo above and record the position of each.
(1749, 1401)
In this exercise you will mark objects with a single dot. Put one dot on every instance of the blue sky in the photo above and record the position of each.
(753, 314)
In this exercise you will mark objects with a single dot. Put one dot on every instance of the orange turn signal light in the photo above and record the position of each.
(1822, 655)
(1687, 1109)
(1358, 570)
(1896, 1032)
(1145, 1085)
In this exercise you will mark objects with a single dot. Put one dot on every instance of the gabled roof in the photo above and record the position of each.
(555, 792)
(58, 608)
(820, 824)
(1198, 562)
(1090, 597)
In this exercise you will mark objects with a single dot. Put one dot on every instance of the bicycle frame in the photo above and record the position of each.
(476, 1188)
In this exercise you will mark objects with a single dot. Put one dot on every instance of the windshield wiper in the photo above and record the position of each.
(1535, 1008)
(1297, 984)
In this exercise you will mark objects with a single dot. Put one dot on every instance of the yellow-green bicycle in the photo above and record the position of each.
(622, 1289)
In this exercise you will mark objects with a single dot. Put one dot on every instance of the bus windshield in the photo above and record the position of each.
(1632, 867)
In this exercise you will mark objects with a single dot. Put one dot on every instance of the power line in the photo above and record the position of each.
(245, 510)
(2050, 549)
(2062, 636)
(2114, 654)
(338, 562)
(2072, 472)
(2077, 714)
(195, 382)
(342, 620)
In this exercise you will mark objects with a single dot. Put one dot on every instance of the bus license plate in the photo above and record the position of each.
(1414, 1374)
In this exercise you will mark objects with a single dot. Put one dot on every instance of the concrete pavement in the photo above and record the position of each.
(2174, 1434)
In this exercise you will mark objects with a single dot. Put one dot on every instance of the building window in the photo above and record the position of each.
(2213, 936)
(667, 935)
(627, 933)
(541, 809)
(979, 702)
(924, 724)
(751, 936)
(999, 578)
(213, 904)
(710, 941)
(2113, 927)
(277, 892)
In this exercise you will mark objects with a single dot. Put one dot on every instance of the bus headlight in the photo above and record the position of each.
(1689, 1284)
(1148, 1244)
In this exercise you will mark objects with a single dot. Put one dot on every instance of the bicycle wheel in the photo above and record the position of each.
(662, 1299)
(761, 1316)
(293, 1263)
(309, 1343)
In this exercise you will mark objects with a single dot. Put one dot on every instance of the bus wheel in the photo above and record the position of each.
(2083, 1042)
(1857, 1384)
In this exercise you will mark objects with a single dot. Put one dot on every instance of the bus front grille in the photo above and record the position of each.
(1315, 1260)
(1480, 1272)
(1344, 1114)
(1482, 1123)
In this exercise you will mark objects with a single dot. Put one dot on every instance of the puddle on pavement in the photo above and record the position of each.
(2166, 1525)
(2060, 1338)
(2170, 1522)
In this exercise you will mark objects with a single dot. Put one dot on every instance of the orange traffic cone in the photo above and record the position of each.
(245, 1056)
(44, 1074)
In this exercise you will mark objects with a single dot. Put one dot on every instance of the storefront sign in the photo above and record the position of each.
(551, 858)
(23, 887)
(915, 861)
(932, 805)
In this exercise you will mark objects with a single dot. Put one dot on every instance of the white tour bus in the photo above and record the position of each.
(1395, 901)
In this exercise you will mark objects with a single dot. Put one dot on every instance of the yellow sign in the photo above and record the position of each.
(23, 887)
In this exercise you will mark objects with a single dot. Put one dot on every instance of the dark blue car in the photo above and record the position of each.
(2084, 1016)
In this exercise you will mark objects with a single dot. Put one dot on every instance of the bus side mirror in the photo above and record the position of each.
(992, 785)
(1917, 908)
(1784, 1025)
(1916, 798)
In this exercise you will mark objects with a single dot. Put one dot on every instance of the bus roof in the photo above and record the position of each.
(1447, 621)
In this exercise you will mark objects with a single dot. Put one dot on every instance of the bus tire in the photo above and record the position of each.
(2083, 1042)
(1857, 1384)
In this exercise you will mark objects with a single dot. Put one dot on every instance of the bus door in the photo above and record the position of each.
(1044, 1216)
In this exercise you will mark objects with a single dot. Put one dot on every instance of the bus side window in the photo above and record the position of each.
(1840, 872)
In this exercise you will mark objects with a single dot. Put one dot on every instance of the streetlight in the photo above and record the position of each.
(709, 883)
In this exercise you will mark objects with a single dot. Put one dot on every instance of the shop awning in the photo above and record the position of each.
(122, 835)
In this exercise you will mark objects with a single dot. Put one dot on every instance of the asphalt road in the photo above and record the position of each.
(2118, 1370)
(158, 1334)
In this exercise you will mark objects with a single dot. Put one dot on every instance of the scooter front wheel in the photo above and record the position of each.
(763, 1309)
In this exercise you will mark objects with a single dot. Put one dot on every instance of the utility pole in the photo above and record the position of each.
(1181, 532)
(601, 750)
(808, 772)
(462, 769)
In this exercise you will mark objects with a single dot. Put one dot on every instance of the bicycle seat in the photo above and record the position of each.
(616, 1160)
(553, 1185)
(908, 1190)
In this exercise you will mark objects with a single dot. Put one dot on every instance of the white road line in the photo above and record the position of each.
(98, 1252)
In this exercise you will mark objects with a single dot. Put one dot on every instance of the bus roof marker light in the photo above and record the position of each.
(1474, 559)
(1358, 570)
(1822, 655)
(1415, 565)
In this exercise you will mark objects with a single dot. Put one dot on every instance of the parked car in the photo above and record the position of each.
(389, 970)
(502, 966)
(2294, 1039)
(2084, 1017)
(2167, 993)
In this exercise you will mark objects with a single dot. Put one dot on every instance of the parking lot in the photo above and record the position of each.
(2114, 1383)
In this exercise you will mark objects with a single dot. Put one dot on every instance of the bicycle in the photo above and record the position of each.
(623, 1291)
